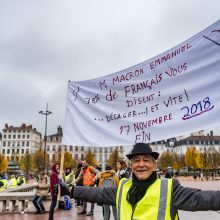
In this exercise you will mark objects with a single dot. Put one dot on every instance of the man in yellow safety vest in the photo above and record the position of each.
(12, 182)
(144, 196)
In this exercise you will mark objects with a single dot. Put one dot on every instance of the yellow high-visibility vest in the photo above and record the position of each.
(155, 205)
(68, 177)
(4, 181)
(21, 178)
(13, 183)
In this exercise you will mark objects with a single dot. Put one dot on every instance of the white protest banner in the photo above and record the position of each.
(172, 94)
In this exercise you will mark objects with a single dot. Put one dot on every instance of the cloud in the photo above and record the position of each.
(43, 44)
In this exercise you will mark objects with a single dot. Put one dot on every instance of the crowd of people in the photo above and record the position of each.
(13, 181)
(134, 192)
(90, 177)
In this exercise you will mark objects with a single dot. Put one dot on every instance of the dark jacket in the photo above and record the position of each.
(183, 198)
(54, 180)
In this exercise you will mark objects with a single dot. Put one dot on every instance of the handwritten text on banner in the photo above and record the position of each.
(172, 94)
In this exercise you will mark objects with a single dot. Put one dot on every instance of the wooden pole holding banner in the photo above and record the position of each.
(61, 170)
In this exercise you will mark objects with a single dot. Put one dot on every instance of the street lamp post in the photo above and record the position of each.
(46, 113)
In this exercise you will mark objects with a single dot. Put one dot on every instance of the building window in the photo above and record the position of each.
(3, 151)
(82, 148)
(9, 143)
(14, 136)
(82, 156)
(28, 136)
(5, 136)
(76, 156)
(18, 143)
(8, 151)
(71, 148)
(27, 143)
(19, 136)
(4, 143)
(22, 151)
(100, 158)
(23, 136)
(76, 148)
(22, 143)
(9, 136)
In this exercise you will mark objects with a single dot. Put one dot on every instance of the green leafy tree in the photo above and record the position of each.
(3, 164)
(114, 158)
(165, 160)
(213, 158)
(68, 160)
(190, 157)
(26, 163)
(90, 158)
(38, 160)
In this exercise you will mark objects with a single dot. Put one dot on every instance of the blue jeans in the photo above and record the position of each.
(37, 201)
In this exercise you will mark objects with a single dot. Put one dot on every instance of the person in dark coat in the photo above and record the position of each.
(79, 183)
(145, 196)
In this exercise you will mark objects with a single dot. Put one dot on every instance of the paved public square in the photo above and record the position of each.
(72, 214)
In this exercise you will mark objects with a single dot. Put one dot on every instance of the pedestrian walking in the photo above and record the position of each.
(144, 196)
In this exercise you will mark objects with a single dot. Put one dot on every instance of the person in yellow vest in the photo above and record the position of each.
(21, 179)
(3, 182)
(12, 182)
(144, 196)
(69, 177)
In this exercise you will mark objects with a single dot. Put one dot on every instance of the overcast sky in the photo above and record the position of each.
(43, 44)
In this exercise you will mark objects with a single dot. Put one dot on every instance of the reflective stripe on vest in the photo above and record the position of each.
(156, 208)
(118, 201)
(4, 181)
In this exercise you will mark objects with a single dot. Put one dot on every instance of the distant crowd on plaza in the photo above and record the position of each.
(14, 181)
(135, 192)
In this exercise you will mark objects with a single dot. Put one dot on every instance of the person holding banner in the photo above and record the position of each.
(54, 183)
(145, 196)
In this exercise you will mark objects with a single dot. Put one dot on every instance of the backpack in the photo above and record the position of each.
(67, 203)
(108, 181)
